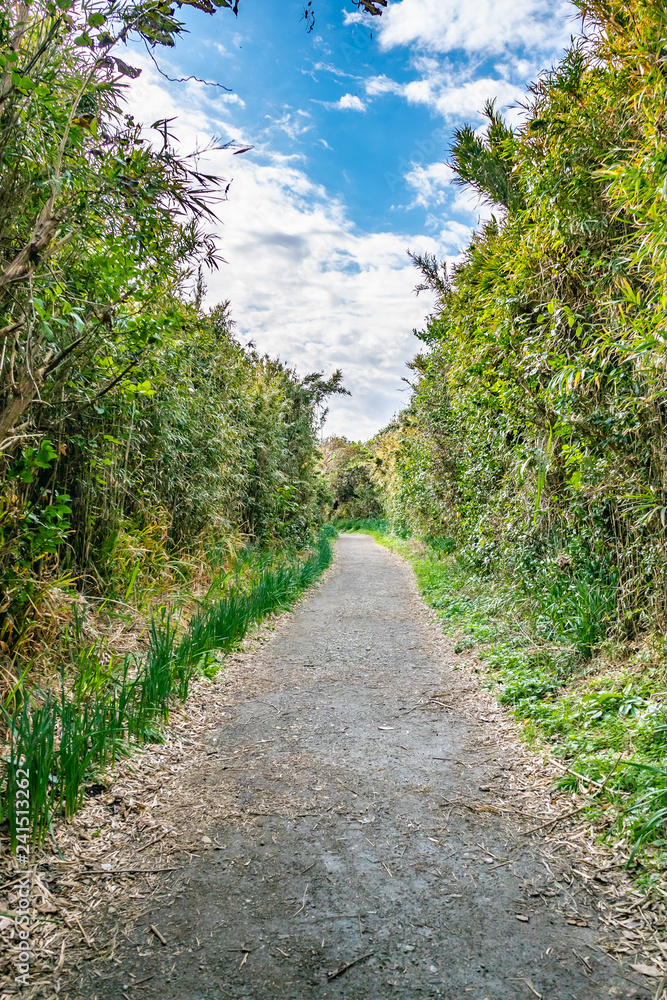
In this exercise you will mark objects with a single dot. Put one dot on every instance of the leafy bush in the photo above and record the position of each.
(579, 610)
(347, 467)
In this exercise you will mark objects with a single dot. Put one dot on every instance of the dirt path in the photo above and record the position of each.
(362, 833)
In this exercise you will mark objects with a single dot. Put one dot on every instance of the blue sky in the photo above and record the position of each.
(350, 136)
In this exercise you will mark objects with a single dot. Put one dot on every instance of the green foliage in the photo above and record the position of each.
(649, 810)
(222, 625)
(347, 467)
(574, 608)
(137, 436)
(376, 524)
(225, 443)
(488, 163)
(29, 768)
(131, 421)
(536, 430)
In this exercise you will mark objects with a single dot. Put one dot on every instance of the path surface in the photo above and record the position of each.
(350, 850)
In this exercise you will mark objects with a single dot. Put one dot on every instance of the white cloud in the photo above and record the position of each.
(452, 94)
(330, 68)
(233, 99)
(485, 26)
(379, 85)
(220, 49)
(304, 283)
(433, 187)
(292, 124)
(466, 100)
(451, 44)
(356, 17)
(350, 102)
(431, 183)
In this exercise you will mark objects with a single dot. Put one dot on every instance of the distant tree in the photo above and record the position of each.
(347, 467)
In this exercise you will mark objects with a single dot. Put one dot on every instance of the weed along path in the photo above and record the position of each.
(361, 828)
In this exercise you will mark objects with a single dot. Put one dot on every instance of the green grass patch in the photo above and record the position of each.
(365, 524)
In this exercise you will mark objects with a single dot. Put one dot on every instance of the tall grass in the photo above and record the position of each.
(62, 742)
(579, 609)
(225, 623)
(31, 732)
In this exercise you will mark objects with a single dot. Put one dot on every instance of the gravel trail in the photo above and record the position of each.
(367, 862)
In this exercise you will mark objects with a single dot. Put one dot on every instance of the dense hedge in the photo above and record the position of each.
(536, 434)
